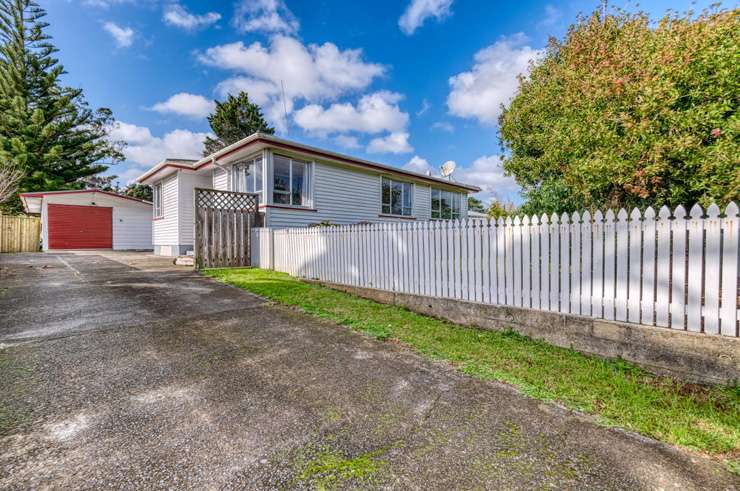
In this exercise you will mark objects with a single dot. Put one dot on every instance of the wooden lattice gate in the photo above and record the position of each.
(223, 225)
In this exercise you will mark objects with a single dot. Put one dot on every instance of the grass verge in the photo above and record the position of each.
(705, 419)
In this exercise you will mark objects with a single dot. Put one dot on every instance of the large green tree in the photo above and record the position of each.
(46, 128)
(630, 112)
(232, 120)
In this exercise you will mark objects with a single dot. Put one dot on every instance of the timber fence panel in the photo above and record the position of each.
(19, 233)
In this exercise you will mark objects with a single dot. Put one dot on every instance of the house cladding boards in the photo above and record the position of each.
(165, 229)
(346, 195)
(187, 182)
(220, 179)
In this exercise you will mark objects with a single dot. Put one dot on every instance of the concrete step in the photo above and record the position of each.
(185, 261)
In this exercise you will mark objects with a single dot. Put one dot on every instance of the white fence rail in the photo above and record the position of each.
(673, 271)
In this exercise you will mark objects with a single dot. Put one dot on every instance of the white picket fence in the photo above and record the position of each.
(670, 271)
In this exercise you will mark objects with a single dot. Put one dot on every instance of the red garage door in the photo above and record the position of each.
(80, 227)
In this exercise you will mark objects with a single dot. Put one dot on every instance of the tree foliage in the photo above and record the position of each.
(46, 129)
(232, 120)
(629, 112)
(141, 191)
(474, 204)
(499, 209)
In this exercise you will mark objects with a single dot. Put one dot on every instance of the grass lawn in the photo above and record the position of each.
(619, 393)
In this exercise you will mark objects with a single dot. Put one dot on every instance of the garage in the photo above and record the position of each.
(91, 219)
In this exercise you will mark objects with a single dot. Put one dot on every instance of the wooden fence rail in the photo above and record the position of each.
(20, 233)
(669, 270)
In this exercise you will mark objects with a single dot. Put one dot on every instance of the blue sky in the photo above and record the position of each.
(411, 83)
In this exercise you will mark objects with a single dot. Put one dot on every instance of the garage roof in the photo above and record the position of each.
(32, 201)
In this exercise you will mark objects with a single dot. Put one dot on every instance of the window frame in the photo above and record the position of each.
(455, 198)
(404, 186)
(305, 187)
(237, 176)
(157, 200)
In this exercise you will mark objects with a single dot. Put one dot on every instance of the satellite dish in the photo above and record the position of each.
(448, 168)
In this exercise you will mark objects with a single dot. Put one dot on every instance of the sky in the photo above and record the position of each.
(409, 83)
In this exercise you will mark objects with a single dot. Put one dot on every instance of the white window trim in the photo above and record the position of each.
(413, 196)
(307, 175)
(252, 161)
(157, 200)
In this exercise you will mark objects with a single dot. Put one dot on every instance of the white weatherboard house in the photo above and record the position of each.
(298, 186)
(91, 219)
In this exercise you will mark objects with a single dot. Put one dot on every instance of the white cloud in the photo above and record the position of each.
(392, 143)
(425, 106)
(443, 126)
(184, 104)
(419, 11)
(486, 172)
(418, 164)
(311, 73)
(374, 113)
(347, 141)
(552, 16)
(270, 16)
(480, 92)
(176, 15)
(123, 36)
(146, 149)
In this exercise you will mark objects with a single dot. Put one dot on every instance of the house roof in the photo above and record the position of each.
(27, 197)
(275, 142)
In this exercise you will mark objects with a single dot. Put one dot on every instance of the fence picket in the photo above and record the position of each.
(622, 253)
(586, 273)
(516, 244)
(635, 266)
(526, 263)
(575, 263)
(564, 263)
(678, 269)
(694, 278)
(545, 263)
(647, 305)
(535, 261)
(597, 276)
(728, 312)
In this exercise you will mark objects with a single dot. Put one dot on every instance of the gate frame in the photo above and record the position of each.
(236, 202)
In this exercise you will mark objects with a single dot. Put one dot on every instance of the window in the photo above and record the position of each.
(446, 205)
(246, 177)
(157, 199)
(396, 197)
(290, 181)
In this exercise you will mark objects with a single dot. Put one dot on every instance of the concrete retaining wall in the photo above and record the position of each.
(685, 355)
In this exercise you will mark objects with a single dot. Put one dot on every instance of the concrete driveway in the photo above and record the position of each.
(122, 371)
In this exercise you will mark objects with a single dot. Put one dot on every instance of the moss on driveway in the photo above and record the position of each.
(704, 419)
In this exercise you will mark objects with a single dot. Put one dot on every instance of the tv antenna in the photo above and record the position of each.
(448, 168)
(285, 107)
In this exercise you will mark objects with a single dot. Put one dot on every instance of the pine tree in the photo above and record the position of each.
(46, 129)
(232, 120)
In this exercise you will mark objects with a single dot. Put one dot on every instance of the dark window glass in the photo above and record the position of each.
(386, 195)
(281, 180)
(446, 210)
(407, 190)
(297, 183)
(396, 195)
